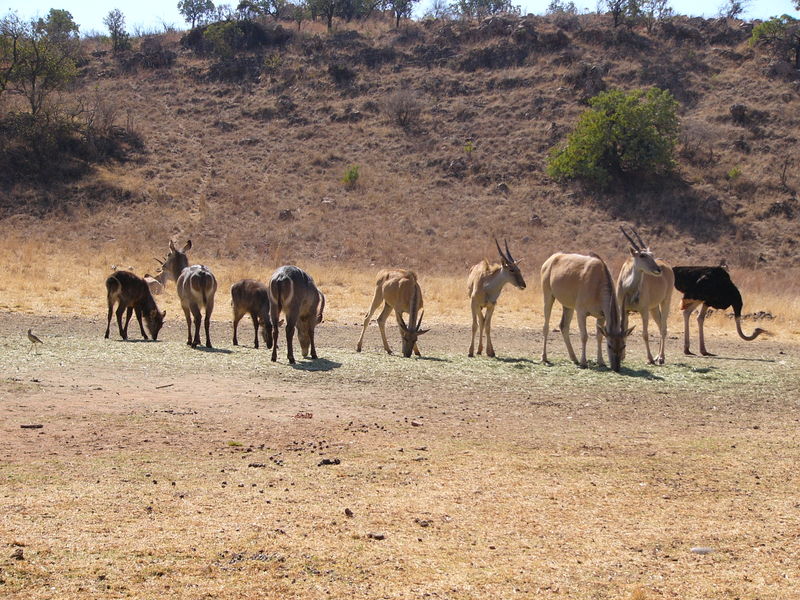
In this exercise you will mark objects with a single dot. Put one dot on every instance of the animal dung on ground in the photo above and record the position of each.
(376, 536)
(329, 461)
(36, 426)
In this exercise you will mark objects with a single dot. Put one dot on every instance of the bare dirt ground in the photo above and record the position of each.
(161, 471)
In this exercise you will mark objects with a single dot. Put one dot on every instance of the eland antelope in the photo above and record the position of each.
(484, 284)
(292, 292)
(583, 285)
(399, 290)
(645, 285)
(708, 287)
(196, 286)
(133, 295)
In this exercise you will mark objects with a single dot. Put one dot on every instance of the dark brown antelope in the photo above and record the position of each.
(399, 290)
(196, 286)
(133, 295)
(583, 285)
(484, 284)
(645, 285)
(292, 292)
(251, 297)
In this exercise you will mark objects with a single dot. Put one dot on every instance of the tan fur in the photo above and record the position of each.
(583, 285)
(647, 294)
(398, 290)
(484, 284)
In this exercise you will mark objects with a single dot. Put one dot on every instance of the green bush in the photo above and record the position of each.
(350, 178)
(622, 134)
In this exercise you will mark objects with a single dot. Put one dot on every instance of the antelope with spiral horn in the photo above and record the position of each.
(398, 290)
(644, 285)
(484, 284)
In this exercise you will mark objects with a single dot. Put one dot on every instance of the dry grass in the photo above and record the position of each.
(518, 479)
(52, 278)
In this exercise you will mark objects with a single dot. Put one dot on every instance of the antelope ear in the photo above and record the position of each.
(518, 262)
(632, 251)
(164, 314)
(627, 333)
(421, 331)
(187, 247)
(172, 246)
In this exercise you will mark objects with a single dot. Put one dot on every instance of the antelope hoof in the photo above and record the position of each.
(358, 348)
(707, 353)
(291, 361)
(490, 353)
(470, 353)
(236, 343)
(583, 365)
(660, 360)
(256, 345)
(688, 352)
(106, 335)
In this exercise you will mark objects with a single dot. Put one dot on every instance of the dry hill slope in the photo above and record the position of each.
(246, 155)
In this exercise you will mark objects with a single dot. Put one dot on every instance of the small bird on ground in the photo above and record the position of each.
(33, 339)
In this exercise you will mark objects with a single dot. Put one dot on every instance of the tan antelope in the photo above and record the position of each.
(583, 285)
(133, 295)
(249, 296)
(292, 292)
(484, 284)
(645, 286)
(196, 286)
(398, 290)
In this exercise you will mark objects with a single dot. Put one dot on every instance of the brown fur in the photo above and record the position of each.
(132, 293)
(249, 296)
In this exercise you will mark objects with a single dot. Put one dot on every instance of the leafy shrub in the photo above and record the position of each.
(622, 134)
(350, 178)
(228, 38)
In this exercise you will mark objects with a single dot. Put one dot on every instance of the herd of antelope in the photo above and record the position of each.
(582, 284)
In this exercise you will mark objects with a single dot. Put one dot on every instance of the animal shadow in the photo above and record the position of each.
(433, 359)
(510, 360)
(214, 350)
(639, 373)
(319, 364)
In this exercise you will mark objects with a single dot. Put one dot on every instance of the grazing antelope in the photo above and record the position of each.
(292, 292)
(484, 284)
(583, 284)
(133, 295)
(645, 285)
(249, 296)
(708, 287)
(196, 286)
(399, 290)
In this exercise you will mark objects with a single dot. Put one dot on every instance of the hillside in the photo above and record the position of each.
(246, 154)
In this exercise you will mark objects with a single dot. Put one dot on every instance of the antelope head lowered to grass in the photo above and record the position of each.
(645, 285)
(196, 286)
(583, 285)
(399, 290)
(484, 284)
(293, 292)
